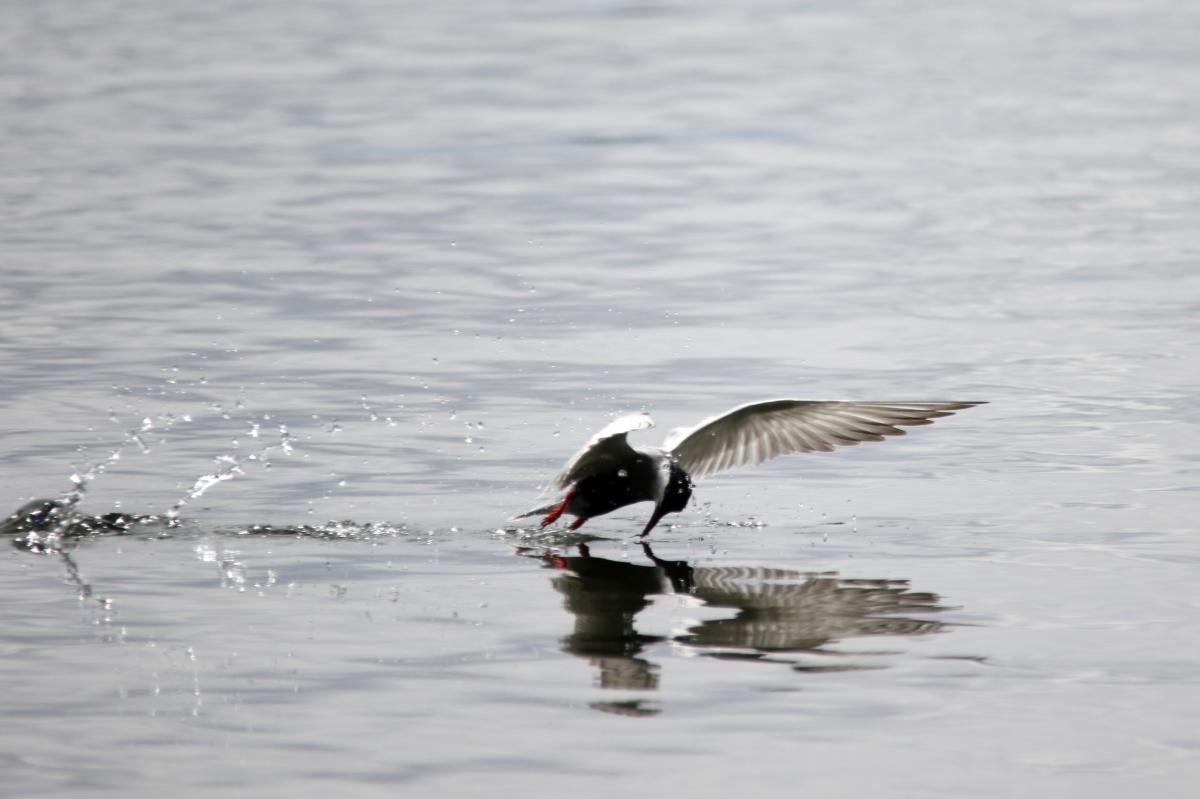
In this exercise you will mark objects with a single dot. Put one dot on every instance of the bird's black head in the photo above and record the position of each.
(679, 490)
(675, 497)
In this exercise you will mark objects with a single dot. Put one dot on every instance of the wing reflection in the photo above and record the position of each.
(779, 615)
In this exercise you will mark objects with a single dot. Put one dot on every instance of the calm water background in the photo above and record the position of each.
(389, 264)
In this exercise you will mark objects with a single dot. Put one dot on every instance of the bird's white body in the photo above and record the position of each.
(608, 473)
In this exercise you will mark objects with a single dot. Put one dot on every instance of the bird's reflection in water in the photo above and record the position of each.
(779, 615)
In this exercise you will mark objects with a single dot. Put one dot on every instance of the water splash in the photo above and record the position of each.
(67, 517)
(230, 468)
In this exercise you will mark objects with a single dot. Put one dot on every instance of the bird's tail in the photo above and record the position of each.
(539, 510)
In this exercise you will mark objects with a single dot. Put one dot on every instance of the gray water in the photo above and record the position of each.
(333, 288)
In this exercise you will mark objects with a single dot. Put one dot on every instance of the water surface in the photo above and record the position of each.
(339, 285)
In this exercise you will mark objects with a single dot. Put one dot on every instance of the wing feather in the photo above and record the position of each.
(759, 431)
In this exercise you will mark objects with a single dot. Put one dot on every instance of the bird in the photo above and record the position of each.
(608, 473)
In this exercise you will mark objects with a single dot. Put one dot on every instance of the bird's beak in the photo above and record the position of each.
(659, 511)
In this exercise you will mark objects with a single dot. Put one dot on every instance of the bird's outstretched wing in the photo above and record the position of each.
(606, 449)
(758, 431)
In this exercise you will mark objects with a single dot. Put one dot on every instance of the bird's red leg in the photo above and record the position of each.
(575, 525)
(553, 515)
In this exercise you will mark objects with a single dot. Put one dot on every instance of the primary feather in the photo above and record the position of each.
(759, 431)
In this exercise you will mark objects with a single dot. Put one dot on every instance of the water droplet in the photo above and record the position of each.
(285, 439)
